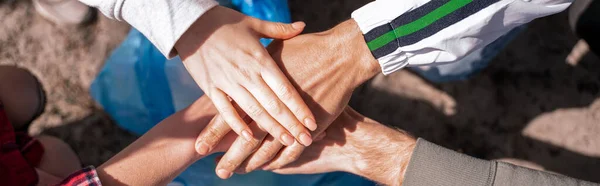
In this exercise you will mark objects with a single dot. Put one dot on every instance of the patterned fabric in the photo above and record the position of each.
(421, 23)
(19, 154)
(433, 32)
(84, 177)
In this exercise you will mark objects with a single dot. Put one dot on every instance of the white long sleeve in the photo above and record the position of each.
(161, 21)
(403, 33)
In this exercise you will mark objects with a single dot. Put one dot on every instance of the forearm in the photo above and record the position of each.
(388, 165)
(162, 22)
(345, 47)
(162, 153)
(380, 153)
(434, 165)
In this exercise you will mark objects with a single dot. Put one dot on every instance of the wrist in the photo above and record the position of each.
(352, 51)
(383, 154)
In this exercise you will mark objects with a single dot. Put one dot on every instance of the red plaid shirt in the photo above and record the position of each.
(84, 177)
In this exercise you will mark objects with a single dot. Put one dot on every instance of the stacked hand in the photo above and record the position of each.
(239, 69)
(358, 145)
(352, 143)
(325, 67)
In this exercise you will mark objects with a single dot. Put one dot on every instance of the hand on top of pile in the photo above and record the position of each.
(222, 52)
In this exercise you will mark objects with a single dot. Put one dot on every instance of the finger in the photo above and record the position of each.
(286, 156)
(225, 143)
(265, 153)
(211, 135)
(238, 152)
(253, 109)
(229, 114)
(214, 132)
(280, 112)
(269, 148)
(285, 91)
(277, 30)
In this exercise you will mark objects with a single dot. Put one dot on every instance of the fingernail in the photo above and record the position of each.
(247, 135)
(224, 174)
(287, 139)
(305, 139)
(201, 148)
(310, 124)
(298, 25)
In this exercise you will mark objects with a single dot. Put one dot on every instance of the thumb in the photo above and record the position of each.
(275, 30)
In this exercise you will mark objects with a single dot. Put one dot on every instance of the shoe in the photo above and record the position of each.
(65, 12)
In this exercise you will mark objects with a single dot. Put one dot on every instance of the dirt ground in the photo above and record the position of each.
(527, 105)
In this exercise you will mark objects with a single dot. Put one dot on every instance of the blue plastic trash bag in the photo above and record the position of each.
(139, 87)
(270, 10)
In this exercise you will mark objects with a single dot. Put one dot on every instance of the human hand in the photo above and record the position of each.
(222, 52)
(358, 145)
(325, 67)
(164, 151)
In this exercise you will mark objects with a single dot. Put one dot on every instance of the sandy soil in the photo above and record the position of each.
(528, 105)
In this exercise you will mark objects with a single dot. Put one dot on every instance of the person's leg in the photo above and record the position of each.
(22, 99)
(58, 161)
(21, 95)
(65, 12)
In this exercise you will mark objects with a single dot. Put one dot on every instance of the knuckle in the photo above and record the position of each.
(278, 27)
(250, 145)
(296, 128)
(253, 110)
(291, 158)
(300, 110)
(264, 155)
(224, 110)
(273, 129)
(246, 74)
(273, 149)
(284, 92)
(211, 136)
(229, 165)
(273, 106)
(293, 155)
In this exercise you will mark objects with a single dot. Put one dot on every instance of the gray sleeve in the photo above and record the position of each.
(431, 164)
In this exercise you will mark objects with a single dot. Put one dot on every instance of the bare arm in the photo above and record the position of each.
(358, 145)
(162, 153)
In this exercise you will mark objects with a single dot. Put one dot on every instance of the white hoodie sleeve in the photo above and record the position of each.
(162, 21)
(403, 33)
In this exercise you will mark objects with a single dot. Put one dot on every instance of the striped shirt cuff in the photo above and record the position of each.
(381, 14)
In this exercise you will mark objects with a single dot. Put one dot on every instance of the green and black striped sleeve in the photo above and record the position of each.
(403, 33)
